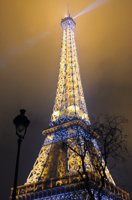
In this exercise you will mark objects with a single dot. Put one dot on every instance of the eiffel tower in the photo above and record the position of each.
(55, 171)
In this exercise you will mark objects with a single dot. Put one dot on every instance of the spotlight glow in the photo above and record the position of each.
(7, 56)
(96, 4)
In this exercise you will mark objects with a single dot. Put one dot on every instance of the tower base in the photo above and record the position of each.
(68, 187)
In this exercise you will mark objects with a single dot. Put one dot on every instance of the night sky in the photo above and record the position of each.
(30, 41)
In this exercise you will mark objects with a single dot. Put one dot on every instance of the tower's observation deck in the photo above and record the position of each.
(68, 21)
(69, 102)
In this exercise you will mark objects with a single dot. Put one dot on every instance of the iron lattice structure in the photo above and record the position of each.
(54, 174)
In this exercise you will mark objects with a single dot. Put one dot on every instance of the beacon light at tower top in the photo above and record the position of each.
(94, 5)
(69, 102)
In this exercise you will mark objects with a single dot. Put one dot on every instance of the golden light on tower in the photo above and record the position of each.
(55, 171)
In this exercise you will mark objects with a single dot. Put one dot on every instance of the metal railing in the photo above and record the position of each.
(71, 179)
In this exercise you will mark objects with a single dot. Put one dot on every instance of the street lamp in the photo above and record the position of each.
(21, 123)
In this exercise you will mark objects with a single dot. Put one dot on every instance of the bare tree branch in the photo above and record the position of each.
(112, 146)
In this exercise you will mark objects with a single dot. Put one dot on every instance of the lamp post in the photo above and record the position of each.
(21, 123)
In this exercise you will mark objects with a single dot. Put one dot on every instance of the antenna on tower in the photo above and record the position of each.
(68, 10)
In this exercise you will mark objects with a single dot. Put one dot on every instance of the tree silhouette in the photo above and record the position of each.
(105, 142)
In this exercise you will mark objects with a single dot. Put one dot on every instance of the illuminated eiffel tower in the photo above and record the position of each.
(54, 174)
